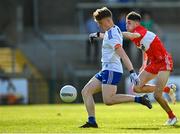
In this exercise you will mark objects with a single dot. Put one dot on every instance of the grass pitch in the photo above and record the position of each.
(123, 118)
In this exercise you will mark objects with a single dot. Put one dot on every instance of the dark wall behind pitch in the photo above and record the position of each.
(64, 12)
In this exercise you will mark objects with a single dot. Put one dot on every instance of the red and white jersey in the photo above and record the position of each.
(150, 43)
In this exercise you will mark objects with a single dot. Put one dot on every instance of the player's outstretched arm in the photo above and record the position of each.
(120, 51)
(133, 76)
(130, 35)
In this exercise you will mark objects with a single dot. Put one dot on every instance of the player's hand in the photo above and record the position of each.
(134, 78)
(92, 36)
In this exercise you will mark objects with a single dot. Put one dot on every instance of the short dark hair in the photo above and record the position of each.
(102, 13)
(134, 16)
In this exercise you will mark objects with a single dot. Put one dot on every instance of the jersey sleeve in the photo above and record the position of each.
(140, 30)
(115, 38)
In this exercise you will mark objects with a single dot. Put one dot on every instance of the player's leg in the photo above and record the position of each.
(110, 97)
(162, 79)
(92, 87)
(145, 77)
(110, 79)
(170, 89)
(143, 87)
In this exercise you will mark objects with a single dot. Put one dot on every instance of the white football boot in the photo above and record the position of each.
(172, 93)
(171, 122)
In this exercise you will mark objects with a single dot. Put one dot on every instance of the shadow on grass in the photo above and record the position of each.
(155, 128)
(141, 128)
(176, 126)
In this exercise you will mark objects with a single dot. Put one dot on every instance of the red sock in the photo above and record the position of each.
(166, 89)
(171, 114)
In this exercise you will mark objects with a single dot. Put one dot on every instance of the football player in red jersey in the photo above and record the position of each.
(159, 66)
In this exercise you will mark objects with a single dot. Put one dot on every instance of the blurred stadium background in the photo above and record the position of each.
(44, 45)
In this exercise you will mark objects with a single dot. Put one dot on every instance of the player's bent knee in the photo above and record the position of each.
(107, 101)
(85, 91)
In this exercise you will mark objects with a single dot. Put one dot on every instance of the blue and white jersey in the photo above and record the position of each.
(110, 60)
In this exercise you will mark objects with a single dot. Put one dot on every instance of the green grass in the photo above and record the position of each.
(123, 118)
